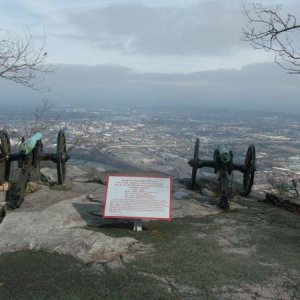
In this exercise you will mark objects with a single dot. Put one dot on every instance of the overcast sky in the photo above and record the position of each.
(154, 50)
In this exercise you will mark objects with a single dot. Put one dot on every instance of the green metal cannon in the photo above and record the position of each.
(28, 159)
(222, 164)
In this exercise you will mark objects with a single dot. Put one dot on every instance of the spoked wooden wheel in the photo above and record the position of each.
(4, 156)
(62, 157)
(248, 179)
(195, 163)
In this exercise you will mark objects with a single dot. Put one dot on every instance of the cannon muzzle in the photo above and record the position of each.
(225, 154)
(28, 145)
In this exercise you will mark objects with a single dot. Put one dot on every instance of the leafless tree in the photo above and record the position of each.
(79, 139)
(269, 28)
(284, 183)
(20, 62)
(39, 122)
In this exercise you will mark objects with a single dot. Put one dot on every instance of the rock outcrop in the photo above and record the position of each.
(67, 219)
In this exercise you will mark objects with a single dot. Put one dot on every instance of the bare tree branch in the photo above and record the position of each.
(80, 139)
(269, 29)
(39, 118)
(20, 62)
(284, 183)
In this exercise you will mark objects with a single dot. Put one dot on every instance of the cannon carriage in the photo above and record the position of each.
(223, 165)
(28, 158)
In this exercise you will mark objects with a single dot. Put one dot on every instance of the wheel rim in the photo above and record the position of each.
(4, 156)
(248, 177)
(61, 157)
(195, 162)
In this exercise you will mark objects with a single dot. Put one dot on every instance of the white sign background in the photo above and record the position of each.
(135, 197)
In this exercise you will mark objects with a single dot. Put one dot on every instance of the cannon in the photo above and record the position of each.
(29, 156)
(222, 164)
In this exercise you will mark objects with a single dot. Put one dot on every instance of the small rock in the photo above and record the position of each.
(32, 187)
(4, 187)
(48, 175)
(115, 264)
(208, 192)
(90, 197)
(81, 179)
(100, 178)
(180, 195)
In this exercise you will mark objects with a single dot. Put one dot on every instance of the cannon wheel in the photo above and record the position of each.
(4, 156)
(249, 170)
(195, 163)
(61, 157)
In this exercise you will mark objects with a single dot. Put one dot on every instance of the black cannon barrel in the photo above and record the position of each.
(239, 167)
(52, 156)
(206, 163)
(14, 157)
(202, 163)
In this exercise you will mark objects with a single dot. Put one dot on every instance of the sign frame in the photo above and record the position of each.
(105, 216)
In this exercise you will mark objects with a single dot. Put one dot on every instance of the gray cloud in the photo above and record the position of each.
(255, 87)
(206, 28)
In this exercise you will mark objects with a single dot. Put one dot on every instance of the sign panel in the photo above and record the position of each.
(135, 197)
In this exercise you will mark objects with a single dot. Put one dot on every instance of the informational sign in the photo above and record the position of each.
(135, 197)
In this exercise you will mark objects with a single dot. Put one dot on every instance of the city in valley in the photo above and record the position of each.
(163, 138)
